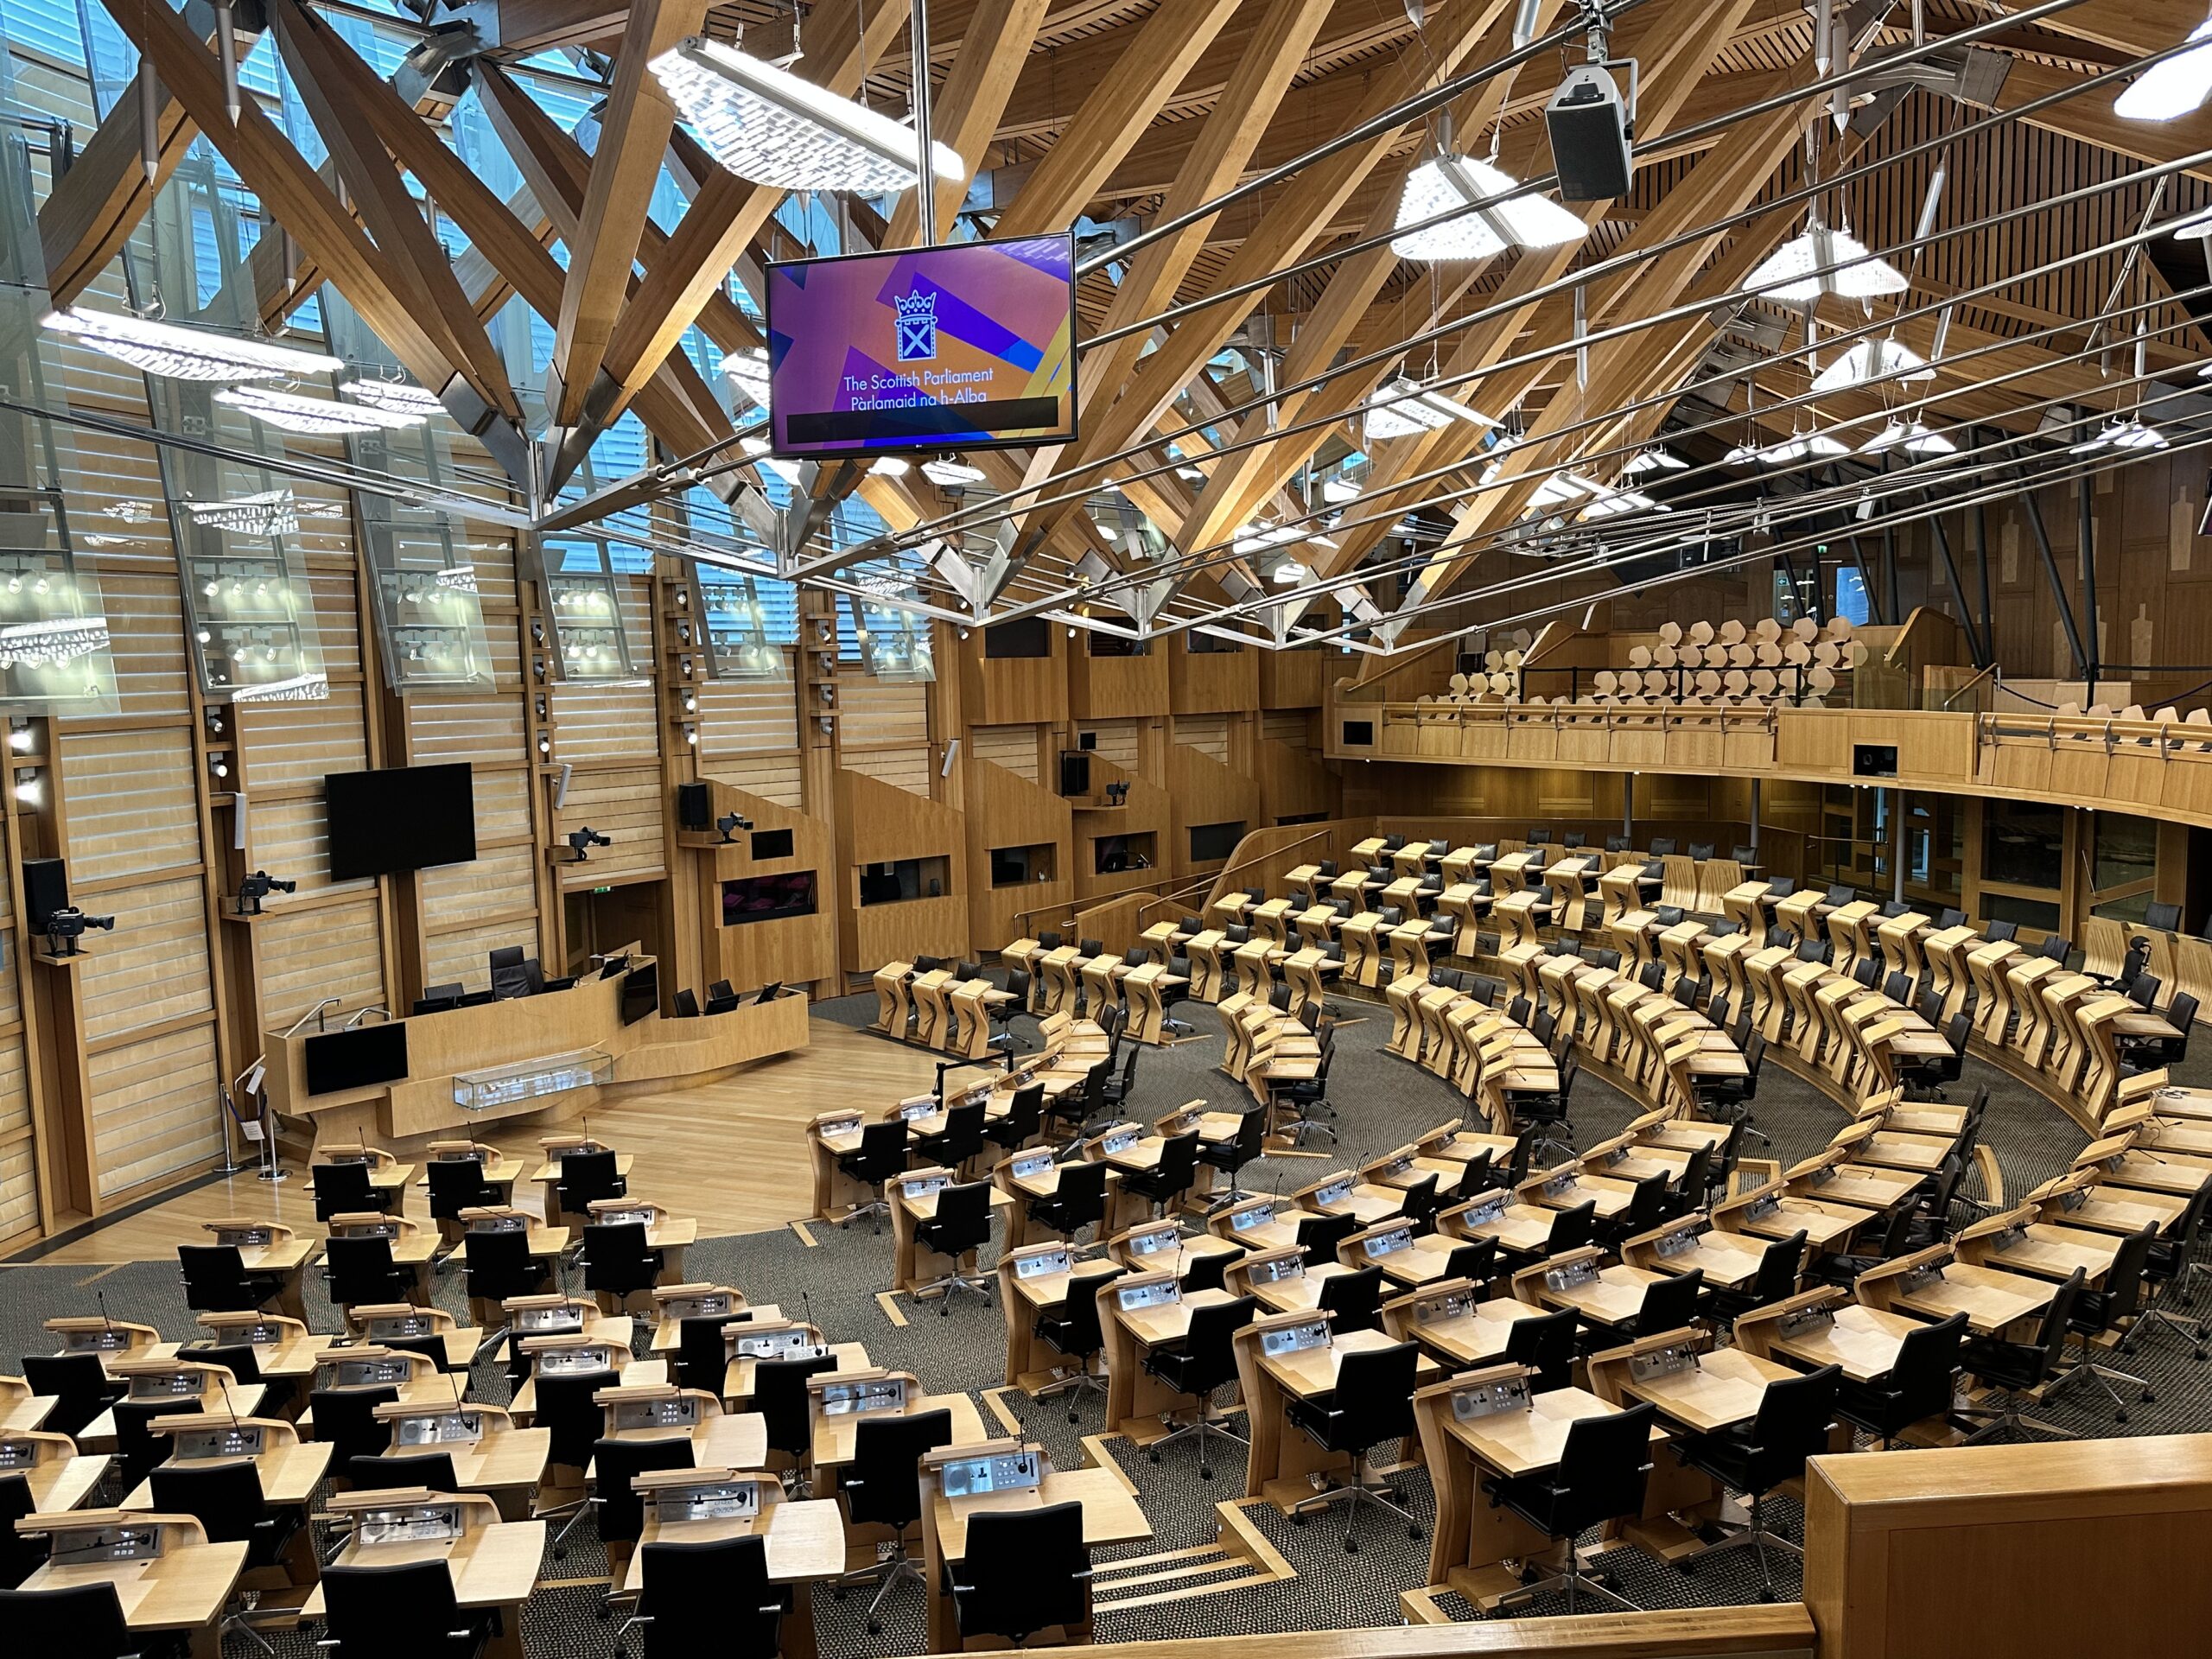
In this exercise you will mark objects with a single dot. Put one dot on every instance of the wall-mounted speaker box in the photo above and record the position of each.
(1075, 772)
(695, 808)
(46, 889)
(1873, 760)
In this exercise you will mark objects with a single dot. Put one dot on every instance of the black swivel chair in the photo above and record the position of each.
(1780, 1264)
(1301, 1099)
(1918, 1386)
(1198, 1365)
(20, 1556)
(2172, 1261)
(2111, 1309)
(1545, 1344)
(83, 1620)
(1795, 1418)
(1003, 1015)
(343, 1189)
(587, 1177)
(458, 1183)
(697, 1598)
(1118, 1090)
(619, 1507)
(1355, 1297)
(1024, 1122)
(1164, 1185)
(687, 1005)
(959, 1140)
(225, 1497)
(882, 1487)
(2015, 1369)
(360, 1272)
(373, 1612)
(1025, 1571)
(515, 975)
(1572, 1229)
(617, 1259)
(961, 1223)
(1647, 1208)
(879, 1160)
(76, 1383)
(1232, 1155)
(1318, 1236)
(1072, 1329)
(702, 1351)
(216, 1282)
(1077, 1201)
(1601, 1477)
(779, 1395)
(1373, 1401)
(432, 1470)
(1211, 1271)
(347, 1418)
(574, 1422)
(497, 1267)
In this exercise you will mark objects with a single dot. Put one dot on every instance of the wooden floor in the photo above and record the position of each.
(732, 1153)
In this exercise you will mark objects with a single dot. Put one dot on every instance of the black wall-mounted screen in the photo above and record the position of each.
(1359, 733)
(1028, 636)
(400, 818)
(1213, 842)
(770, 844)
(640, 993)
(1873, 760)
(767, 898)
(356, 1058)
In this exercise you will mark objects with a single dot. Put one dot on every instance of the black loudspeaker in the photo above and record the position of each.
(1873, 760)
(1075, 772)
(695, 807)
(1591, 128)
(46, 889)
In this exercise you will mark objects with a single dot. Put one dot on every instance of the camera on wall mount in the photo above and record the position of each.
(66, 927)
(730, 823)
(581, 842)
(258, 886)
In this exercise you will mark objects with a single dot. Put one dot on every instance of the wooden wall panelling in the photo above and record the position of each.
(151, 1114)
(624, 801)
(1017, 749)
(1006, 809)
(1003, 691)
(795, 950)
(1207, 734)
(1203, 791)
(880, 823)
(1293, 784)
(1116, 687)
(1293, 679)
(1210, 681)
(1145, 810)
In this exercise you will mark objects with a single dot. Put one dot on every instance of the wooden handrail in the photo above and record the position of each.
(1208, 882)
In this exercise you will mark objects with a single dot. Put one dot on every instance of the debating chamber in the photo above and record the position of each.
(865, 828)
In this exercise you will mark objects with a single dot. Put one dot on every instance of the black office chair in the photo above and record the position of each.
(216, 1282)
(1355, 1297)
(1475, 1261)
(372, 1612)
(515, 975)
(345, 1418)
(1023, 1121)
(1232, 1155)
(84, 1621)
(1925, 1079)
(1647, 1208)
(225, 1497)
(879, 1160)
(1318, 1236)
(1373, 1401)
(1024, 1572)
(2110, 1310)
(587, 1177)
(432, 1470)
(2016, 1368)
(1545, 1344)
(1843, 1269)
(458, 1183)
(1118, 1090)
(961, 1223)
(1601, 1477)
(1780, 1264)
(779, 1395)
(79, 1386)
(961, 1139)
(617, 1260)
(687, 1005)
(1918, 1386)
(1077, 1201)
(620, 1508)
(20, 1556)
(1794, 1420)
(2172, 1261)
(137, 1448)
(1211, 1270)
(1301, 1100)
(696, 1598)
(1669, 1304)
(1072, 1331)
(360, 1272)
(1003, 1015)
(881, 1486)
(702, 1351)
(1729, 1100)
(1164, 1185)
(343, 1189)
(497, 1267)
(1572, 1229)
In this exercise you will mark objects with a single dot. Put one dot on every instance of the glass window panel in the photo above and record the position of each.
(2022, 845)
(2126, 851)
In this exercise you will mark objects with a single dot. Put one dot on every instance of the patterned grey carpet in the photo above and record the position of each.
(1383, 1102)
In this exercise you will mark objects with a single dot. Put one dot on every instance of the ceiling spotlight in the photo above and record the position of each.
(1912, 437)
(2172, 88)
(315, 417)
(2122, 433)
(1867, 361)
(1803, 446)
(1657, 459)
(1404, 408)
(1800, 270)
(186, 353)
(396, 395)
(1341, 489)
(770, 126)
(748, 372)
(1741, 456)
(1449, 181)
(950, 473)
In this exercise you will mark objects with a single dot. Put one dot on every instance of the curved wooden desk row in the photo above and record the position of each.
(575, 1031)
(1474, 1046)
(936, 1008)
(1061, 979)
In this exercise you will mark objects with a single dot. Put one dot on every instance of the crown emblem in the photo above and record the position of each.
(916, 338)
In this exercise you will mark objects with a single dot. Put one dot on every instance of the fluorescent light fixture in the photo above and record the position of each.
(1797, 270)
(2173, 88)
(1450, 182)
(951, 474)
(2128, 433)
(1404, 408)
(1289, 571)
(1657, 459)
(1191, 473)
(1742, 454)
(398, 396)
(890, 466)
(1803, 446)
(316, 417)
(186, 353)
(266, 512)
(770, 126)
(748, 372)
(1913, 437)
(1341, 489)
(1867, 361)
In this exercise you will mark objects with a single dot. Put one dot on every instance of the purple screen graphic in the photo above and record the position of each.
(953, 348)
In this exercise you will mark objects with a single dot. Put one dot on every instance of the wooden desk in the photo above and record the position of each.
(1477, 1336)
(1111, 1515)
(183, 1588)
(1991, 1300)
(805, 1545)
(61, 1479)
(737, 1376)
(913, 1264)
(1030, 1362)
(493, 1564)
(1283, 1460)
(547, 1176)
(289, 1474)
(505, 1466)
(834, 1436)
(1863, 1340)
(1135, 1400)
(1724, 1389)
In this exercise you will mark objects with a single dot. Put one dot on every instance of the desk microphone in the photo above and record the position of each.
(820, 1340)
(223, 1382)
(107, 1325)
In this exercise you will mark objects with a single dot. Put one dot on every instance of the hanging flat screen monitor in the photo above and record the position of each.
(964, 346)
(400, 818)
(356, 1058)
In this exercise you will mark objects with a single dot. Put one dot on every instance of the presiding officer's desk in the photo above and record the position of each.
(804, 1538)
(1286, 1356)
(491, 1457)
(839, 1401)
(169, 1578)
(1036, 1280)
(58, 1475)
(211, 1387)
(974, 1475)
(494, 1563)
